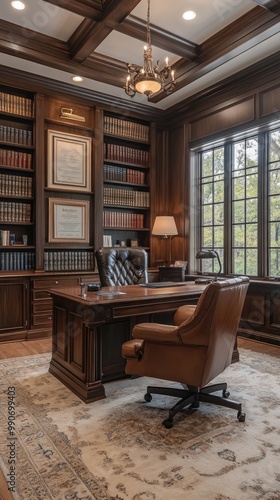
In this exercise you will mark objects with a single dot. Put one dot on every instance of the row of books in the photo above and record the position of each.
(123, 219)
(10, 103)
(11, 211)
(125, 128)
(15, 135)
(18, 159)
(17, 261)
(126, 197)
(126, 154)
(15, 185)
(68, 261)
(113, 173)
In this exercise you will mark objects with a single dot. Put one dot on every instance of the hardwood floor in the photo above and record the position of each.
(16, 349)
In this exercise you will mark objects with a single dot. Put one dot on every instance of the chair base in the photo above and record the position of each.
(192, 396)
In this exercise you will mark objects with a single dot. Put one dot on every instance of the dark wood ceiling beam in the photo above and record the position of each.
(84, 41)
(271, 5)
(137, 28)
(86, 8)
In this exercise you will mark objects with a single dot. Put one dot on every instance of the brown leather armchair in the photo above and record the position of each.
(122, 266)
(194, 350)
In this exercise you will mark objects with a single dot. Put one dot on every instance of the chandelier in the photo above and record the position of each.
(149, 79)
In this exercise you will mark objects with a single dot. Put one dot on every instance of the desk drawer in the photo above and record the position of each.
(42, 319)
(49, 282)
(43, 306)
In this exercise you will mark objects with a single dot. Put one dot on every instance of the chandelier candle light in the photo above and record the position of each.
(149, 79)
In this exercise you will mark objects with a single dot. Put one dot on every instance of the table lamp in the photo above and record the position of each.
(210, 254)
(165, 226)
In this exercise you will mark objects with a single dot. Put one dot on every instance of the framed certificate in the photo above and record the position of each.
(69, 162)
(68, 221)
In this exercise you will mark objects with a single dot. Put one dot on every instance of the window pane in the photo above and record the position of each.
(218, 160)
(218, 237)
(238, 188)
(251, 262)
(238, 211)
(274, 234)
(207, 237)
(219, 213)
(252, 210)
(274, 182)
(238, 155)
(218, 191)
(207, 163)
(251, 152)
(274, 208)
(274, 146)
(251, 235)
(239, 236)
(207, 215)
(252, 186)
(274, 261)
(239, 261)
(207, 193)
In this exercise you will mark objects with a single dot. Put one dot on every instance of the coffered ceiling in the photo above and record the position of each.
(96, 38)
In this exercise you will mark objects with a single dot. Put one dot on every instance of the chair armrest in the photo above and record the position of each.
(156, 332)
(183, 314)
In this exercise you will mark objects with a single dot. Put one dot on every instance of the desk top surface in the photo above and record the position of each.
(129, 293)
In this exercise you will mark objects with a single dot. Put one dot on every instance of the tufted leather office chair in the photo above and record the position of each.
(194, 350)
(122, 266)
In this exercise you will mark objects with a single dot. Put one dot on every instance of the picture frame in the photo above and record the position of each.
(69, 161)
(68, 221)
(134, 243)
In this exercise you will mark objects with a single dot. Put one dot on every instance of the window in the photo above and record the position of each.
(239, 205)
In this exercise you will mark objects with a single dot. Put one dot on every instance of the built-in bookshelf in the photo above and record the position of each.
(126, 191)
(17, 250)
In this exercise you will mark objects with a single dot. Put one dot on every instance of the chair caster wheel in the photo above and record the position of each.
(226, 394)
(168, 423)
(241, 416)
(148, 397)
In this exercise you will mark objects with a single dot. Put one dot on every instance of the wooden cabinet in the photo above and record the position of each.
(261, 313)
(14, 300)
(126, 174)
(17, 167)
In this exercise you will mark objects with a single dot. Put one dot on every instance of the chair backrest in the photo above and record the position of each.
(214, 323)
(122, 266)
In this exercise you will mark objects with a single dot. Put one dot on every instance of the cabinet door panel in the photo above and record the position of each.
(13, 306)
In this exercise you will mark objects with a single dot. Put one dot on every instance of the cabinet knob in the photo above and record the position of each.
(56, 282)
(50, 317)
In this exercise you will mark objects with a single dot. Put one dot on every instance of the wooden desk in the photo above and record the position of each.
(88, 332)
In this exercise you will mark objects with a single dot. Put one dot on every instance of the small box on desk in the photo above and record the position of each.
(171, 273)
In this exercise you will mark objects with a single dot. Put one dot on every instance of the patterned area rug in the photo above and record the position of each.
(117, 448)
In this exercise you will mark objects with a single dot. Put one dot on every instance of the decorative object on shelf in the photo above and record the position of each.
(69, 162)
(181, 263)
(149, 79)
(69, 115)
(208, 254)
(25, 239)
(68, 221)
(134, 243)
(165, 226)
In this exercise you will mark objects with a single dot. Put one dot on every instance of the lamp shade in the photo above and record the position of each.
(164, 225)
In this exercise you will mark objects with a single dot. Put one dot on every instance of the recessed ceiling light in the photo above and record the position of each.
(77, 78)
(17, 4)
(189, 15)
